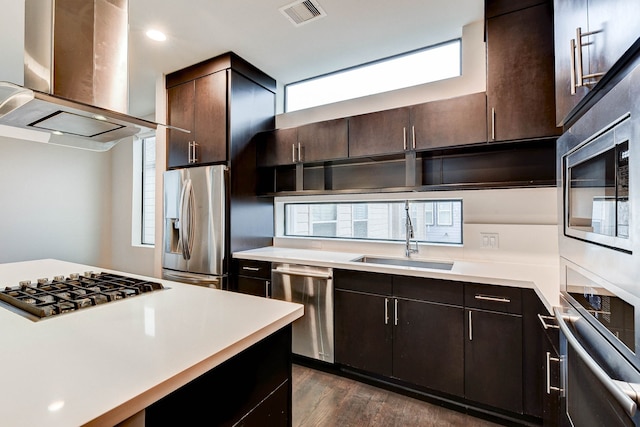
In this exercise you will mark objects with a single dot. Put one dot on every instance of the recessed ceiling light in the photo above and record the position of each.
(156, 35)
(99, 117)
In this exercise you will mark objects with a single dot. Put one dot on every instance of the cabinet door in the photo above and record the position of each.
(253, 286)
(383, 132)
(363, 328)
(520, 75)
(326, 140)
(616, 23)
(211, 118)
(277, 147)
(568, 15)
(426, 355)
(493, 359)
(180, 113)
(450, 122)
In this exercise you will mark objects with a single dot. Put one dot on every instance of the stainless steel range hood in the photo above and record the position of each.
(75, 74)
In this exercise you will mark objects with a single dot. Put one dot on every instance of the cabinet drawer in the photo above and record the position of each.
(257, 269)
(492, 297)
(373, 283)
(432, 290)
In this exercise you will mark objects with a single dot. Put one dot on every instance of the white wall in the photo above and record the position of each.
(472, 80)
(55, 203)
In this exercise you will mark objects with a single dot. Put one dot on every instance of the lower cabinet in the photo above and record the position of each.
(464, 340)
(251, 389)
(408, 330)
(493, 359)
(252, 277)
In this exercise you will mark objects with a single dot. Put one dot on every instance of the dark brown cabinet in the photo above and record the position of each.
(590, 37)
(252, 388)
(520, 74)
(252, 277)
(493, 359)
(449, 122)
(493, 346)
(380, 133)
(314, 142)
(200, 107)
(391, 332)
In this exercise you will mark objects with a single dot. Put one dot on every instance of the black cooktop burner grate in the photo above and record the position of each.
(61, 295)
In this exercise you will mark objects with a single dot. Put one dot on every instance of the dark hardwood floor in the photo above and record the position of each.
(323, 399)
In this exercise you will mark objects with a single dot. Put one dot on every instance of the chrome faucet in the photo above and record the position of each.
(408, 228)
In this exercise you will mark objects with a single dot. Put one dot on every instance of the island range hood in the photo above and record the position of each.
(75, 75)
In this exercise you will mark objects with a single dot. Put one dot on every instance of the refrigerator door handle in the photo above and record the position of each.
(191, 201)
(184, 219)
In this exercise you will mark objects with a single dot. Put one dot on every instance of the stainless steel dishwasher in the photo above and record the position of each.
(312, 287)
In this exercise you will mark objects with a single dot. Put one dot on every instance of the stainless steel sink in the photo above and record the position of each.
(406, 262)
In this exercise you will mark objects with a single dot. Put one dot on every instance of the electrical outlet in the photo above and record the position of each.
(489, 240)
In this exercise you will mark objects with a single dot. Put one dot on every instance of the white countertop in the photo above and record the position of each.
(102, 364)
(544, 279)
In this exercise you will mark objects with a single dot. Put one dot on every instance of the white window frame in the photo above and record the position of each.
(140, 203)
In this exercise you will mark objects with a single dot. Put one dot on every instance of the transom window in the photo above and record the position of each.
(414, 68)
(434, 221)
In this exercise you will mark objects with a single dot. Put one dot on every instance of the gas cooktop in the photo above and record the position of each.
(48, 298)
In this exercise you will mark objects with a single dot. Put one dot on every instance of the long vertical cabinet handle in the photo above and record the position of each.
(404, 138)
(395, 320)
(549, 360)
(493, 124)
(293, 153)
(299, 152)
(386, 311)
(470, 327)
(189, 153)
(413, 137)
(579, 78)
(266, 289)
(194, 158)
(573, 67)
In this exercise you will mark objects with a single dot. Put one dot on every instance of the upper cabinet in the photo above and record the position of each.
(590, 37)
(449, 122)
(379, 133)
(520, 73)
(314, 142)
(220, 101)
(200, 107)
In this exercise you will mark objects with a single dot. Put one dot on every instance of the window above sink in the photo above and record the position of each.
(433, 221)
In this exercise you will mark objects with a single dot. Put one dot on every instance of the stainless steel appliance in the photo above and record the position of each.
(194, 237)
(599, 247)
(312, 287)
(75, 75)
(600, 370)
(48, 298)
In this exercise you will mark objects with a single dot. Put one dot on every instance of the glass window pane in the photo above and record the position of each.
(379, 220)
(148, 190)
(434, 63)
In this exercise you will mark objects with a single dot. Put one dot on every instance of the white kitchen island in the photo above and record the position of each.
(101, 365)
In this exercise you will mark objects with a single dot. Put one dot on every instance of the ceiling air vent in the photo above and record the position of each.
(302, 12)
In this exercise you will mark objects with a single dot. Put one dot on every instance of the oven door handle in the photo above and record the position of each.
(623, 392)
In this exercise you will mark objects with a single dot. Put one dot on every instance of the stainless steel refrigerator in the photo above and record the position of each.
(194, 225)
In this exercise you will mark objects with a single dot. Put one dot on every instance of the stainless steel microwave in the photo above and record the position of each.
(597, 188)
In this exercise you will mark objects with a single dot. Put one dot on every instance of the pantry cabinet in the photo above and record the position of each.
(222, 102)
(520, 74)
(200, 107)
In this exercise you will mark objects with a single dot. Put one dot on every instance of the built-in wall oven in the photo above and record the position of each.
(599, 243)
